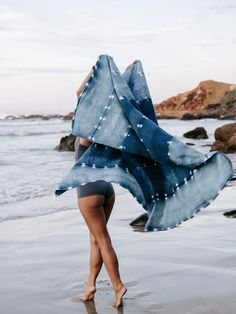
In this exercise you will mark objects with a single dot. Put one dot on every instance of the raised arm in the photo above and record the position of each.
(130, 64)
(81, 88)
(82, 140)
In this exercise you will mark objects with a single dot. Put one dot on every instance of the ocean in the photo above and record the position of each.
(30, 166)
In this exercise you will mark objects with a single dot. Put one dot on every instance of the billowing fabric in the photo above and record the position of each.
(171, 180)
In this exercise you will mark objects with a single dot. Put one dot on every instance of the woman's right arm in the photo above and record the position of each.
(81, 140)
(82, 86)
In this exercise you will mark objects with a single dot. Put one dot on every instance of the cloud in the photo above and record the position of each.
(149, 35)
(223, 6)
(214, 42)
(21, 71)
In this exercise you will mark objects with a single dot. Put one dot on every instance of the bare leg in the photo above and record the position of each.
(96, 261)
(95, 218)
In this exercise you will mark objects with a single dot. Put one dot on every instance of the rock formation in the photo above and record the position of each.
(68, 116)
(67, 143)
(35, 116)
(197, 133)
(210, 99)
(225, 138)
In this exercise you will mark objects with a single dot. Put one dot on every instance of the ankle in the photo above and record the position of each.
(91, 284)
(118, 287)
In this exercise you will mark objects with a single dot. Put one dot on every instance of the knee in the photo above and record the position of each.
(93, 241)
(104, 242)
(101, 241)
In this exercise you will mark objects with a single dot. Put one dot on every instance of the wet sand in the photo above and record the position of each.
(189, 269)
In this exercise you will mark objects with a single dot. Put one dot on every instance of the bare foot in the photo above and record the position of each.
(89, 293)
(119, 296)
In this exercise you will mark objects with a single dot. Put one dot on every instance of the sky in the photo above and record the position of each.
(47, 47)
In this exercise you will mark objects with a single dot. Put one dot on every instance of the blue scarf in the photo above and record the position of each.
(171, 180)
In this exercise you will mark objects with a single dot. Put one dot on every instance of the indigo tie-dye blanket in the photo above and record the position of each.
(171, 180)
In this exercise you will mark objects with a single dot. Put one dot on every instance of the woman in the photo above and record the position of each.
(95, 201)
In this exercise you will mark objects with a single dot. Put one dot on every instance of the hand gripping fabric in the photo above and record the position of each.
(171, 180)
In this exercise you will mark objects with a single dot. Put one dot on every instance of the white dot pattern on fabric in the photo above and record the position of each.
(171, 189)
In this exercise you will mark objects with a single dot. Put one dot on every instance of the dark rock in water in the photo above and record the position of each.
(197, 133)
(67, 143)
(230, 214)
(225, 138)
(140, 220)
(190, 143)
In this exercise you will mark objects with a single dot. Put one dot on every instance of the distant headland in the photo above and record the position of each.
(210, 99)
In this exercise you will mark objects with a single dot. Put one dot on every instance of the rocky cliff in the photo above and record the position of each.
(210, 99)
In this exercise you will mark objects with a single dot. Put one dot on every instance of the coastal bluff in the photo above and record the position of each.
(210, 99)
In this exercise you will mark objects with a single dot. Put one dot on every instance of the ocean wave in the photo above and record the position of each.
(27, 133)
(27, 213)
(3, 116)
(19, 197)
(4, 122)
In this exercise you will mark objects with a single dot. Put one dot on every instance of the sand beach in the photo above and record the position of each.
(189, 269)
(45, 245)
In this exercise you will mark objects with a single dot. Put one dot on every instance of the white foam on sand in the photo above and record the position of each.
(188, 269)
